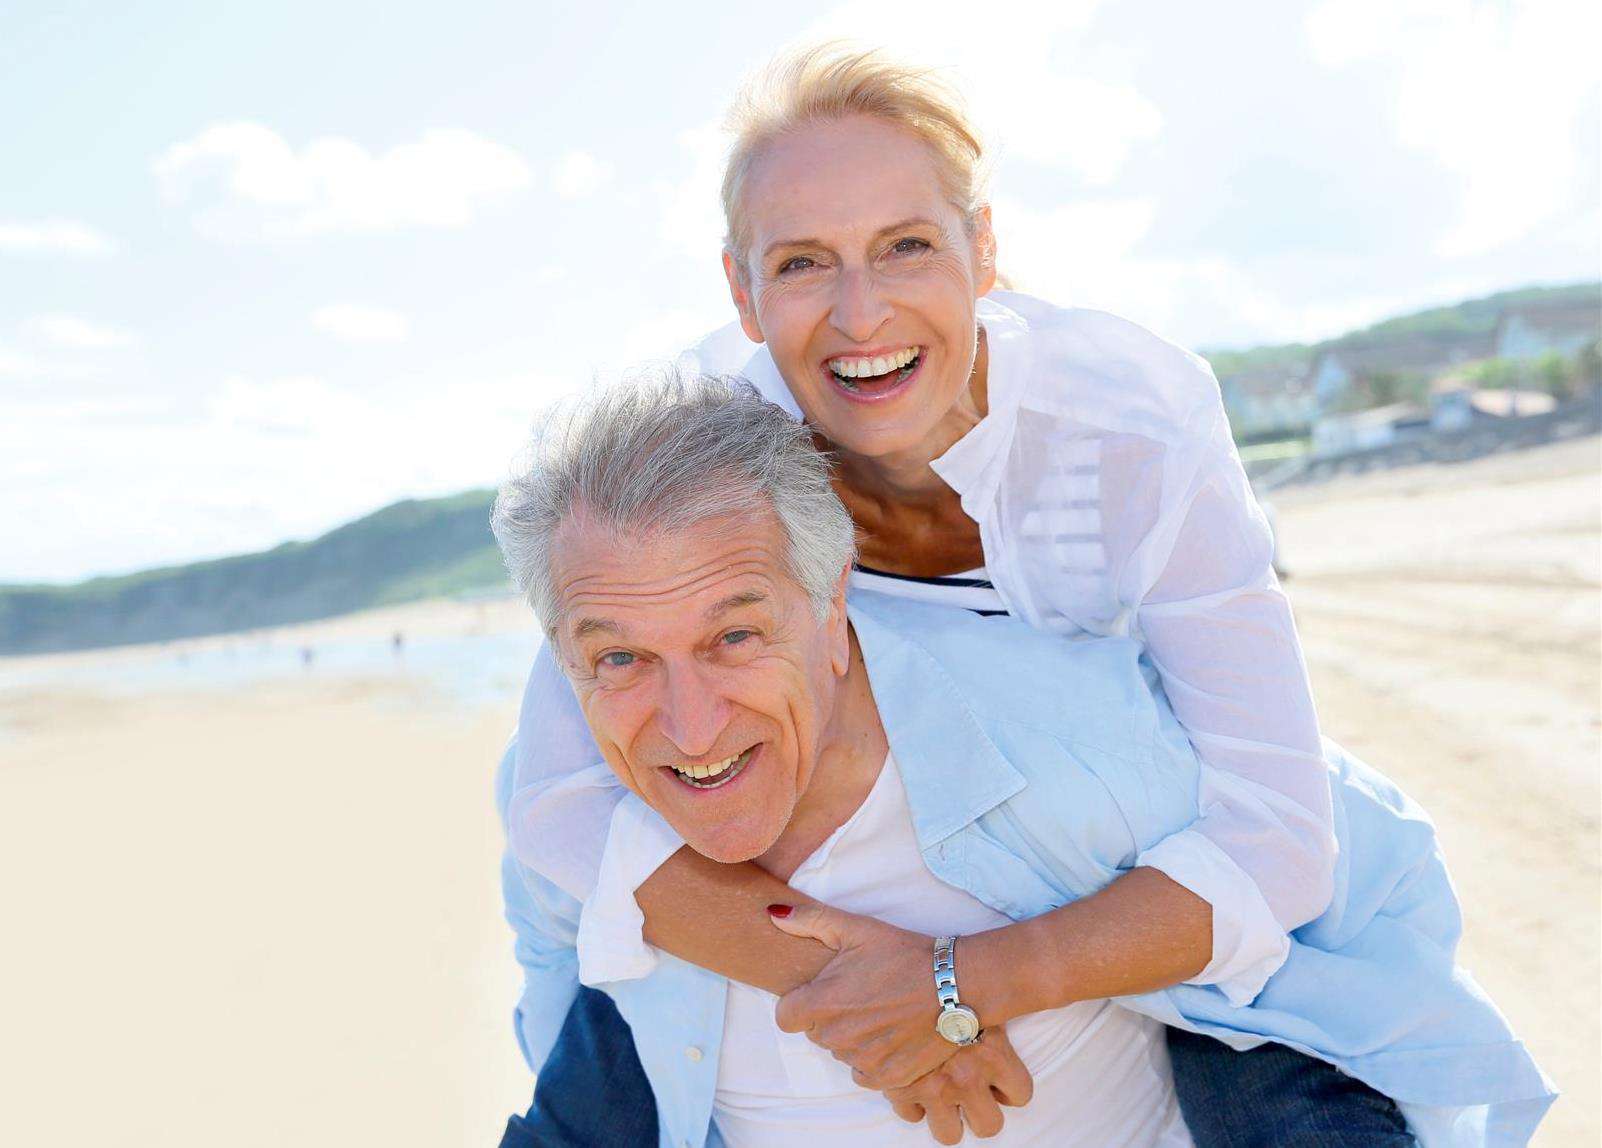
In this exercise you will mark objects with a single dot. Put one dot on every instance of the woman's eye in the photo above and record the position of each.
(799, 263)
(617, 659)
(910, 246)
(735, 637)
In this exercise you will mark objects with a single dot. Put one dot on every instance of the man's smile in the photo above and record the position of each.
(716, 774)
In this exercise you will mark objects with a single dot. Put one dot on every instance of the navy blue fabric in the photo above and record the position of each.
(592, 1092)
(1274, 1097)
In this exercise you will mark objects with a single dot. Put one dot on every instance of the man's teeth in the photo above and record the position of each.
(848, 368)
(717, 769)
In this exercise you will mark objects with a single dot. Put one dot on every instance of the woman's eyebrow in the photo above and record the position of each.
(779, 245)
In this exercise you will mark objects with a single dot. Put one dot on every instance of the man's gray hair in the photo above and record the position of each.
(662, 452)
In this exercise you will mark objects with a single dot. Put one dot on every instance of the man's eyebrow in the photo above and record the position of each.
(588, 626)
(911, 221)
(735, 601)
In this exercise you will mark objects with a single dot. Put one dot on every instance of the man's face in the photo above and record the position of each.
(706, 679)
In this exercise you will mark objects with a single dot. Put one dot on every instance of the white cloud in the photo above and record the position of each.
(691, 207)
(14, 364)
(77, 332)
(579, 174)
(59, 236)
(360, 323)
(1497, 91)
(246, 181)
(1034, 86)
(1092, 253)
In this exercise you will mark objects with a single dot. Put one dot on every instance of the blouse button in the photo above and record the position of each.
(694, 1054)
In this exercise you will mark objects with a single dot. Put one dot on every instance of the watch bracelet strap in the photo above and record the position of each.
(945, 971)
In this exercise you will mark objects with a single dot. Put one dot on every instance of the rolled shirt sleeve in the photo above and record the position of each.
(611, 935)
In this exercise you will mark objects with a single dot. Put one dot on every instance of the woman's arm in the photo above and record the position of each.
(865, 990)
(1219, 631)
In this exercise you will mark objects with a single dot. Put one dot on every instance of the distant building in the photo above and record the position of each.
(1370, 429)
(1340, 368)
(1269, 404)
(1530, 331)
(1456, 405)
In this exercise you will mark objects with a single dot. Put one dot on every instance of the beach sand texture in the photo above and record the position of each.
(263, 911)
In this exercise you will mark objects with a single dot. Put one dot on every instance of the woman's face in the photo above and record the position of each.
(861, 277)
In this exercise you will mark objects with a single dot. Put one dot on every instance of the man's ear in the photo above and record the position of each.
(839, 625)
(984, 252)
(740, 292)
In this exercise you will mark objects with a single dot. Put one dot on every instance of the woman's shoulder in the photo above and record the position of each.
(1103, 369)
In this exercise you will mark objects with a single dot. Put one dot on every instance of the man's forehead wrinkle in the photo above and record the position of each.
(595, 590)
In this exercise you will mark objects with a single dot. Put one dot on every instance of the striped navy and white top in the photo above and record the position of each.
(972, 589)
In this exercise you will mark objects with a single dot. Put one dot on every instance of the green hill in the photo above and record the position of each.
(413, 549)
(1470, 320)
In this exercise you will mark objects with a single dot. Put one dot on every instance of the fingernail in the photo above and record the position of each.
(779, 910)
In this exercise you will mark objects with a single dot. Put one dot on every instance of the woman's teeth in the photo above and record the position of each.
(853, 368)
(716, 774)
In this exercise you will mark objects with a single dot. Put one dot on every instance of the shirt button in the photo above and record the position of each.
(694, 1054)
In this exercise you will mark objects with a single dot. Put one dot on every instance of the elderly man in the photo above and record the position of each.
(961, 785)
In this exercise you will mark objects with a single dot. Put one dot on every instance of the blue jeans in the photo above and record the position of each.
(1275, 1097)
(592, 1093)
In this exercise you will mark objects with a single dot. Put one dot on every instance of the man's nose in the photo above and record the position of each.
(693, 713)
(860, 308)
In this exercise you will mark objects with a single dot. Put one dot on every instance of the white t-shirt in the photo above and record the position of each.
(1101, 1072)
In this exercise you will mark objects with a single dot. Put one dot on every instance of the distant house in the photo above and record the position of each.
(1370, 429)
(1456, 405)
(1534, 329)
(1341, 367)
(1268, 404)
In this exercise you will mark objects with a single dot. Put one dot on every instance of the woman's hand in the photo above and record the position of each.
(972, 1085)
(873, 1006)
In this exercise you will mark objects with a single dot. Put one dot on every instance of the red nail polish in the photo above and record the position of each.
(779, 910)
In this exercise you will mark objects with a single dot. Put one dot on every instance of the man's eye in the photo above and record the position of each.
(910, 246)
(799, 263)
(617, 659)
(735, 637)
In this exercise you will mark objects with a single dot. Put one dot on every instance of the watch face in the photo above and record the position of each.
(959, 1025)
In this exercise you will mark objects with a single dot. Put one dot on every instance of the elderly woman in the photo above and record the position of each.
(1002, 454)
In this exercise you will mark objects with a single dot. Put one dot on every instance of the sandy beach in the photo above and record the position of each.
(255, 902)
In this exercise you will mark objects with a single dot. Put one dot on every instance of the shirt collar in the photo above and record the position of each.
(972, 465)
(953, 772)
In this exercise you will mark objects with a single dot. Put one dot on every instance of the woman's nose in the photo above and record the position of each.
(859, 309)
(692, 713)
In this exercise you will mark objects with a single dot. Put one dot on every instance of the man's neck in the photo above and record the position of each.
(849, 762)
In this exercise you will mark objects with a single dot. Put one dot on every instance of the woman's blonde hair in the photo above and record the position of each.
(832, 80)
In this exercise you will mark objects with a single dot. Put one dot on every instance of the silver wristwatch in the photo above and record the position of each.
(957, 1022)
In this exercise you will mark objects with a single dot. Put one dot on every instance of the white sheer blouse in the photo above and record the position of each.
(1110, 500)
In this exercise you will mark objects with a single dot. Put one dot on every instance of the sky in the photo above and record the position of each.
(265, 268)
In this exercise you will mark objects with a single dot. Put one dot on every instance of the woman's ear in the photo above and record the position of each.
(984, 252)
(740, 292)
(839, 626)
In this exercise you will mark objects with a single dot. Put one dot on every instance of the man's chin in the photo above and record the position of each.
(727, 848)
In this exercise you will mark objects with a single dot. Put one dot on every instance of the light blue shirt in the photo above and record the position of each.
(1037, 770)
